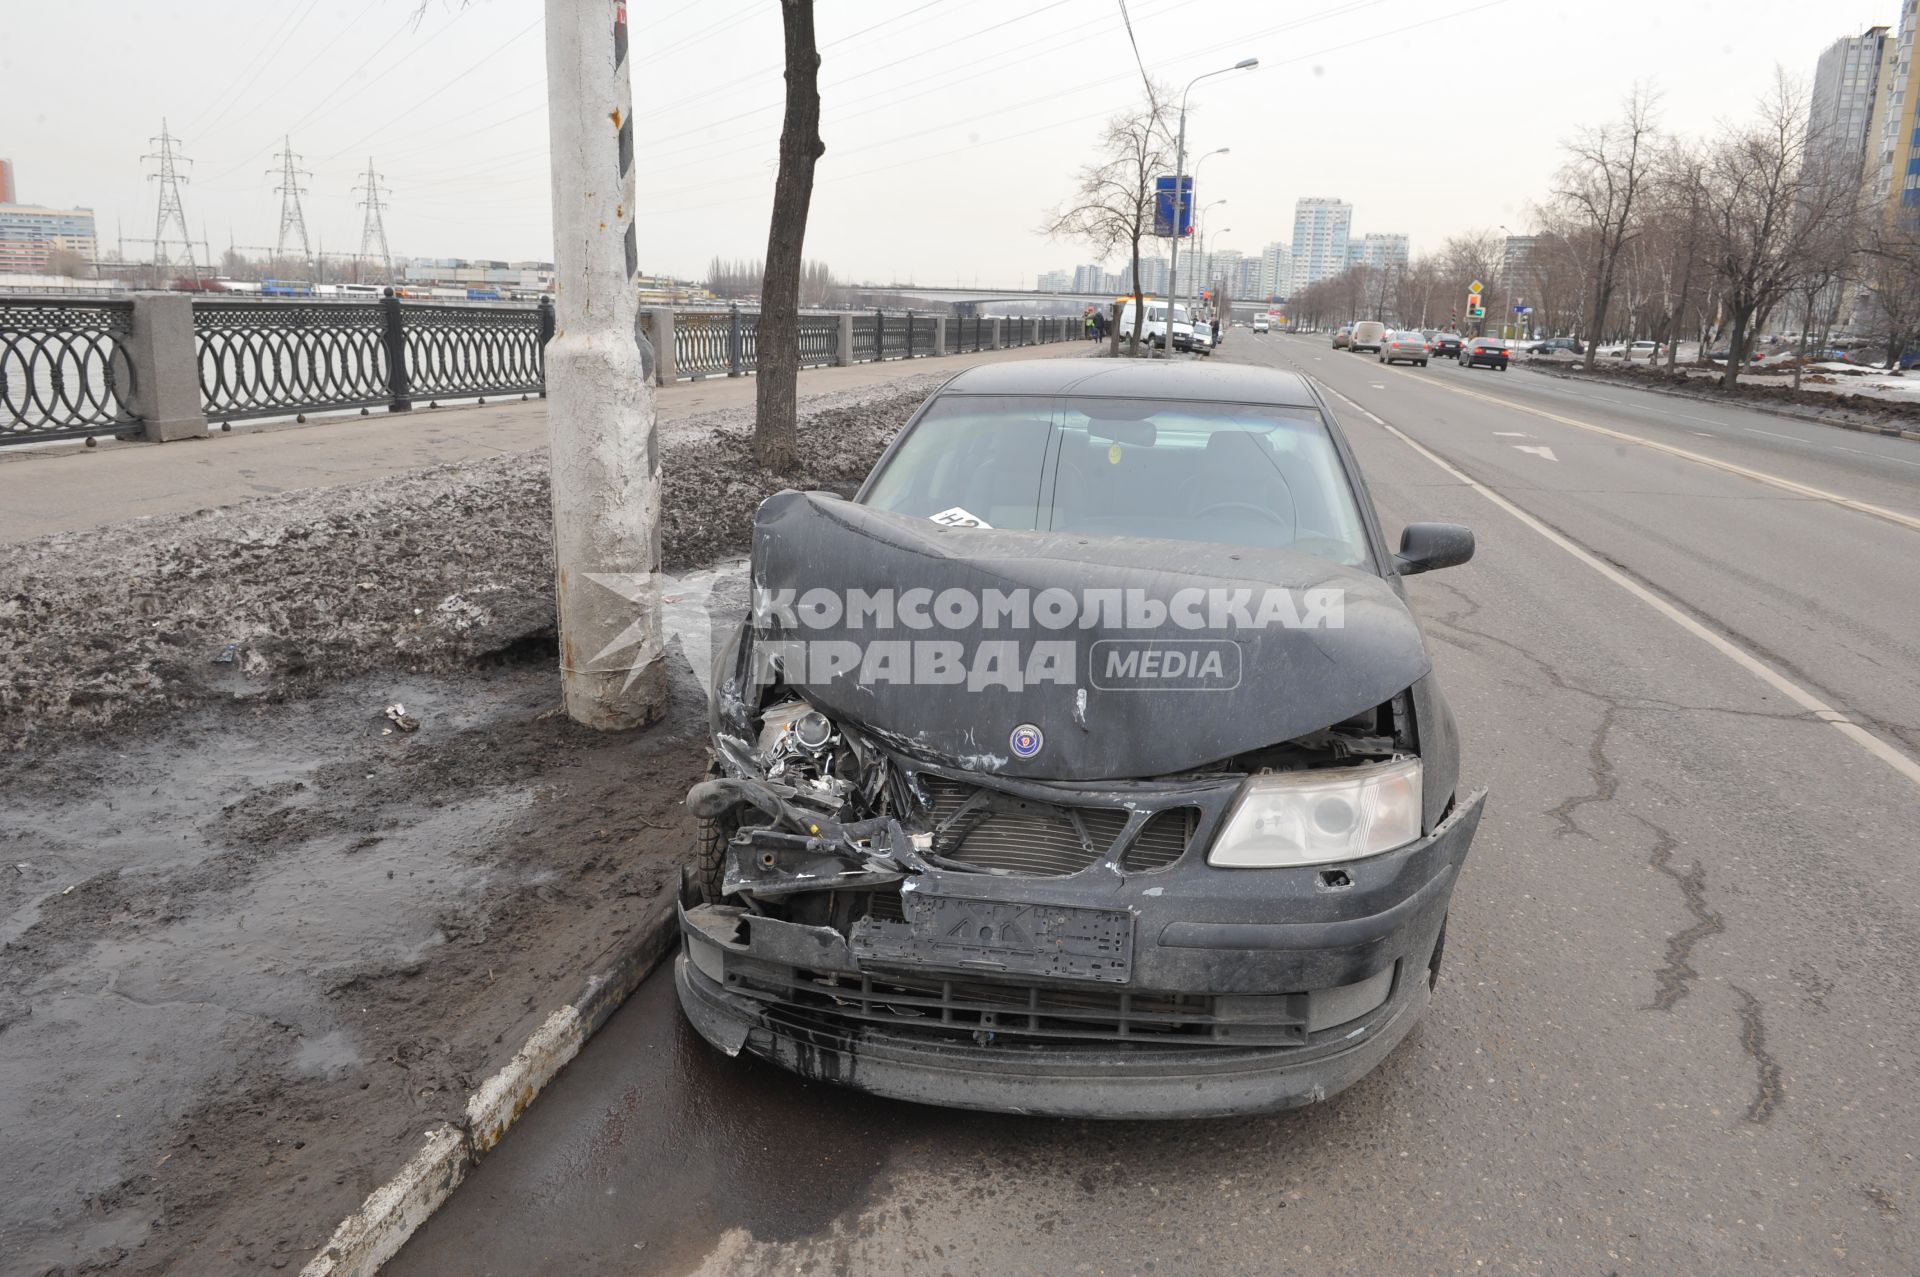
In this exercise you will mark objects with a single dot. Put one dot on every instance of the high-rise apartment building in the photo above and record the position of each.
(7, 194)
(1892, 169)
(1320, 227)
(1276, 271)
(1846, 82)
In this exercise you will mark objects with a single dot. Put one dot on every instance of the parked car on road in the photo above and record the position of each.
(1091, 885)
(1558, 346)
(1367, 335)
(1407, 347)
(1486, 352)
(1340, 336)
(1203, 338)
(1446, 346)
(1155, 332)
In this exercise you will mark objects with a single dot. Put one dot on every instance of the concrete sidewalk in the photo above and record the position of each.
(46, 490)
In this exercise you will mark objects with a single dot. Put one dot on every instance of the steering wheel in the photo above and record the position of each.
(1246, 507)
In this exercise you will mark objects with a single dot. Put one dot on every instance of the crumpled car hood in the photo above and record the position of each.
(1104, 718)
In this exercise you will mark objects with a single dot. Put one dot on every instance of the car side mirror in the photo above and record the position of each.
(1426, 546)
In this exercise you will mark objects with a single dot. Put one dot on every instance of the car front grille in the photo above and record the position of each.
(980, 828)
(961, 1009)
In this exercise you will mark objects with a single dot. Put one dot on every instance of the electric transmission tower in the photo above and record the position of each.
(293, 223)
(170, 179)
(373, 228)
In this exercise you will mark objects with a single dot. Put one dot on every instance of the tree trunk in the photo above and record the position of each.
(1139, 300)
(1736, 349)
(1602, 295)
(778, 337)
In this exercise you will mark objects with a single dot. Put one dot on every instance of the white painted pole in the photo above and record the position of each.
(605, 454)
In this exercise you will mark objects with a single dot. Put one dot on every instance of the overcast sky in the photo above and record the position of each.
(951, 125)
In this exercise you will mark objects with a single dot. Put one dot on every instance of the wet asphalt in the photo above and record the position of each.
(1676, 1030)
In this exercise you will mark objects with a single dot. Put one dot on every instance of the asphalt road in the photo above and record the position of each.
(1677, 1028)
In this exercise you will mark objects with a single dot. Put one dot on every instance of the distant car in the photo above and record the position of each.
(1408, 347)
(1723, 354)
(1202, 342)
(1647, 350)
(1261, 323)
(1340, 336)
(1367, 335)
(1490, 352)
(1558, 346)
(1446, 345)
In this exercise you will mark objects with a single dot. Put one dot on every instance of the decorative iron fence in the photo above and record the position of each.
(819, 340)
(65, 371)
(67, 367)
(263, 359)
(454, 351)
(703, 343)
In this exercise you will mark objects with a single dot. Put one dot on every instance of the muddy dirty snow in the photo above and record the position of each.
(255, 939)
(426, 571)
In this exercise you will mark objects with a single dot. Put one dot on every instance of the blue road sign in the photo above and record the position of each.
(1163, 206)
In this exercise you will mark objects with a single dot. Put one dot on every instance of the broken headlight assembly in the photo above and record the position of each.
(1320, 816)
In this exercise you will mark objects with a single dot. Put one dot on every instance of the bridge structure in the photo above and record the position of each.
(968, 300)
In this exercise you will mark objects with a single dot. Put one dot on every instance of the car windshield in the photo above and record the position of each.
(1236, 474)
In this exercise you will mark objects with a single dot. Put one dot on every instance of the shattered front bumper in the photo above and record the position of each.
(1244, 991)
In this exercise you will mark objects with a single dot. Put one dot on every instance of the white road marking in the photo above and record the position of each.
(1511, 434)
(1703, 434)
(1866, 740)
(1745, 472)
(1875, 455)
(1727, 648)
(1772, 434)
(1540, 451)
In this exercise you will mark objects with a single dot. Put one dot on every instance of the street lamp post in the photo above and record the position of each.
(1179, 193)
(1199, 257)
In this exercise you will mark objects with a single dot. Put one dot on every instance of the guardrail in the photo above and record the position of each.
(163, 365)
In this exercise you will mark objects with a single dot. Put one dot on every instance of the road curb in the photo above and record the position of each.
(1858, 427)
(391, 1213)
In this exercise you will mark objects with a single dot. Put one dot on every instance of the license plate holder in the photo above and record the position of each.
(1003, 937)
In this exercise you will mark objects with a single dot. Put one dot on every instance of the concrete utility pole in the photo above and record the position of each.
(605, 454)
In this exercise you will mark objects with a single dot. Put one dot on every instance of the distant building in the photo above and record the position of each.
(31, 234)
(1056, 281)
(1846, 83)
(1276, 271)
(1153, 276)
(1222, 268)
(1378, 250)
(1892, 168)
(1090, 279)
(7, 193)
(1320, 228)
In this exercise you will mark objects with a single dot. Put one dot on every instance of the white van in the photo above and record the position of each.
(1156, 330)
(1261, 323)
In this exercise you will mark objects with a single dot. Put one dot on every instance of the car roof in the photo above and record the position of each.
(1136, 379)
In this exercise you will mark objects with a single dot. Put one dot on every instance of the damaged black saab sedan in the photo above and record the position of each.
(1087, 762)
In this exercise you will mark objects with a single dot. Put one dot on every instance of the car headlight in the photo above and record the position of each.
(1319, 817)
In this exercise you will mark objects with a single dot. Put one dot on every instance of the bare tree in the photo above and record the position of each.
(1600, 187)
(1893, 281)
(64, 261)
(775, 438)
(1111, 208)
(1767, 207)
